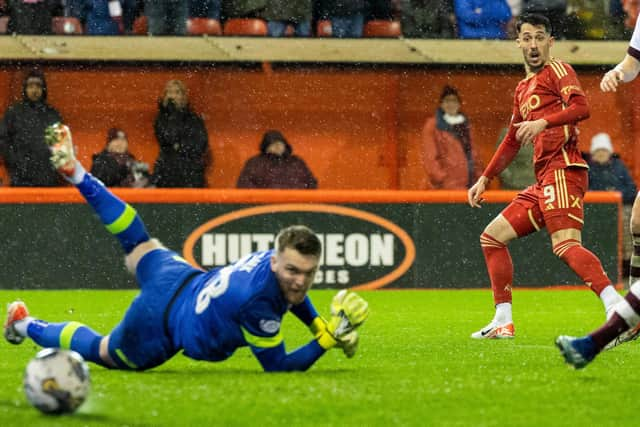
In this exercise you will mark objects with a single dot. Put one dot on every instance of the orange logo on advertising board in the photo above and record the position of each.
(351, 250)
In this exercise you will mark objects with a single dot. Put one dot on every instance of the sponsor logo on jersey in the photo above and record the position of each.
(360, 249)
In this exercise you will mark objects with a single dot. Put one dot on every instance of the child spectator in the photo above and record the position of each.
(115, 166)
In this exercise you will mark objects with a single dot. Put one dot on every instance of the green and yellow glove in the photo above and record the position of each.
(348, 311)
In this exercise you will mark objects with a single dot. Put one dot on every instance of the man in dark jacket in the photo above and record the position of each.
(31, 17)
(183, 140)
(22, 136)
(276, 166)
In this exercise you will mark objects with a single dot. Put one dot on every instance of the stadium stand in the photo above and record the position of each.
(203, 26)
(4, 21)
(382, 28)
(66, 25)
(245, 27)
(140, 26)
(323, 28)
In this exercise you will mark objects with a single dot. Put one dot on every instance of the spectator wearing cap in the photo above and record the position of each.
(276, 166)
(22, 135)
(115, 166)
(607, 172)
(449, 156)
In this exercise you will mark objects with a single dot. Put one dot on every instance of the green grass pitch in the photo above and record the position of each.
(416, 366)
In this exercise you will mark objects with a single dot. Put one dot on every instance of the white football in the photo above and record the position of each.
(56, 381)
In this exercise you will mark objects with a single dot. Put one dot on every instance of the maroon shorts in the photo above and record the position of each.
(555, 203)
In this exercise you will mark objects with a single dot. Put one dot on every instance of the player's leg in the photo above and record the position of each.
(634, 268)
(119, 218)
(626, 316)
(563, 213)
(516, 220)
(69, 335)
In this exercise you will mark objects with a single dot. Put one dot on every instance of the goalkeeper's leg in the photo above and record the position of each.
(119, 218)
(634, 268)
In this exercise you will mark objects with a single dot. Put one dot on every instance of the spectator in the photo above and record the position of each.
(346, 16)
(519, 174)
(166, 17)
(608, 173)
(205, 9)
(429, 19)
(282, 13)
(243, 8)
(276, 166)
(115, 166)
(22, 135)
(450, 159)
(31, 16)
(554, 10)
(482, 19)
(183, 140)
(107, 18)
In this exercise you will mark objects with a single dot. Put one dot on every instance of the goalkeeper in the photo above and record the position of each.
(206, 314)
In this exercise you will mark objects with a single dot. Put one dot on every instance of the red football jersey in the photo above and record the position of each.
(539, 95)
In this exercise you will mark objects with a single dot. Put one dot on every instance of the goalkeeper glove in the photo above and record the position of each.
(348, 311)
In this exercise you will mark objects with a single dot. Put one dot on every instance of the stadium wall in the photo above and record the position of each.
(357, 126)
(372, 239)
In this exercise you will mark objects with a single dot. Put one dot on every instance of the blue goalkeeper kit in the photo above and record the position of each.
(207, 315)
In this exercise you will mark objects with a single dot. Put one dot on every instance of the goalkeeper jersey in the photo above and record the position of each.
(232, 307)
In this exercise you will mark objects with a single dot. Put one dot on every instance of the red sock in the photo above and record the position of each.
(584, 263)
(499, 266)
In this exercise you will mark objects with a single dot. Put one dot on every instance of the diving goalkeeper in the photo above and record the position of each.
(206, 314)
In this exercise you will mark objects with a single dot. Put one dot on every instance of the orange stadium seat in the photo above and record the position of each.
(324, 29)
(140, 26)
(203, 26)
(4, 21)
(382, 28)
(66, 25)
(245, 27)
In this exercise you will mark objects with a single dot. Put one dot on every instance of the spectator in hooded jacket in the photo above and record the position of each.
(276, 166)
(22, 136)
(115, 166)
(450, 159)
(183, 139)
(482, 19)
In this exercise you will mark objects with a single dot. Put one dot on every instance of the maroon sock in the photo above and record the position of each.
(609, 331)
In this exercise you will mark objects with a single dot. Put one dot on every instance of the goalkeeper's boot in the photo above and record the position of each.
(495, 331)
(630, 335)
(577, 352)
(16, 311)
(58, 138)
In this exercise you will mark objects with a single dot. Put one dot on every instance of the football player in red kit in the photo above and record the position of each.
(548, 104)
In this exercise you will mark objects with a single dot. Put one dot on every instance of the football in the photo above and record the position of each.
(56, 381)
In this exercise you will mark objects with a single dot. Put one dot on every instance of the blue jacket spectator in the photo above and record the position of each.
(105, 19)
(482, 19)
(607, 172)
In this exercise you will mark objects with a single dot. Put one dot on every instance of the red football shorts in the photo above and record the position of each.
(555, 203)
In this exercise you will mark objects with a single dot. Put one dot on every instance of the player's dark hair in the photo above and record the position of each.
(534, 19)
(300, 238)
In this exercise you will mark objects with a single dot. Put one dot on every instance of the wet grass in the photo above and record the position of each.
(416, 366)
